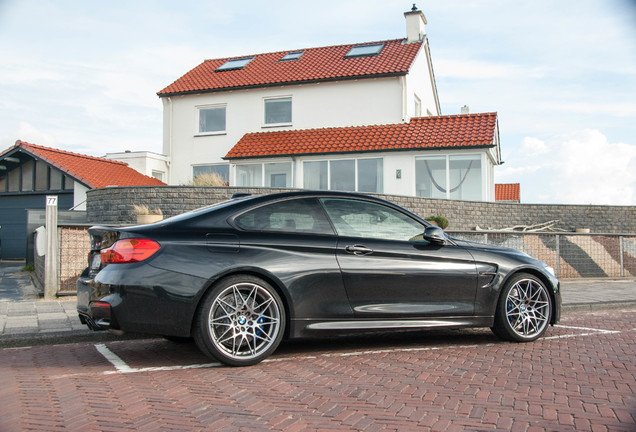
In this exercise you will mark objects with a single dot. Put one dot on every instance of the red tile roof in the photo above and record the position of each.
(91, 171)
(508, 192)
(453, 131)
(316, 64)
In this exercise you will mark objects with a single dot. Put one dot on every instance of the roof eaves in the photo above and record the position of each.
(341, 152)
(65, 170)
(283, 83)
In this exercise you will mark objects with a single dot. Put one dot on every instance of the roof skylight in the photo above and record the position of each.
(365, 50)
(294, 55)
(232, 64)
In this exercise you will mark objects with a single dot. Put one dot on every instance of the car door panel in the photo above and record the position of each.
(414, 279)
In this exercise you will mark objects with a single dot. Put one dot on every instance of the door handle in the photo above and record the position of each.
(358, 250)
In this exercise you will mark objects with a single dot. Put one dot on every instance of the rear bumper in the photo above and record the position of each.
(93, 308)
(138, 298)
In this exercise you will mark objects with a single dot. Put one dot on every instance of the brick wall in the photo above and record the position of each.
(114, 205)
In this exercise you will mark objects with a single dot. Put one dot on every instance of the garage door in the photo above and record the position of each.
(13, 221)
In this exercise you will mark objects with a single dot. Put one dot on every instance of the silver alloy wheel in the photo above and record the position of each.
(244, 321)
(527, 308)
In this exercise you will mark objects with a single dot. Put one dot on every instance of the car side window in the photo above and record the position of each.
(353, 218)
(292, 216)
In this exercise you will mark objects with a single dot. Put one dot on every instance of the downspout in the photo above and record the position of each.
(404, 97)
(170, 155)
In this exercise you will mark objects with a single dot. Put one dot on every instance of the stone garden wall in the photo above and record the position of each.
(114, 205)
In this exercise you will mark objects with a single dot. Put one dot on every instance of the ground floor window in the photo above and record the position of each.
(451, 177)
(249, 175)
(277, 174)
(316, 175)
(223, 170)
(363, 175)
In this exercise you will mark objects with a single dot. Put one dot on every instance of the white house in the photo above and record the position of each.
(222, 106)
(148, 163)
(450, 157)
(209, 109)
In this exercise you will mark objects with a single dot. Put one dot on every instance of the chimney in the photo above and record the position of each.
(415, 25)
(465, 109)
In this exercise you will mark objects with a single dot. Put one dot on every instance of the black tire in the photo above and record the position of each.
(524, 309)
(240, 321)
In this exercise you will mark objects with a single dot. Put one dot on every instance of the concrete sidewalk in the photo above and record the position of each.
(26, 319)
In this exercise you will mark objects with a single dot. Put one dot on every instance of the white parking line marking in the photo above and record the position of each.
(589, 329)
(122, 367)
(113, 358)
(164, 368)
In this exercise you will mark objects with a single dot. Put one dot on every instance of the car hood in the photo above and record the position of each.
(489, 247)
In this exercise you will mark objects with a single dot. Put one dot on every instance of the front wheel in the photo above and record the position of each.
(524, 309)
(241, 321)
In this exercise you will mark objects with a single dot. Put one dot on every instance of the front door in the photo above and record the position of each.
(390, 271)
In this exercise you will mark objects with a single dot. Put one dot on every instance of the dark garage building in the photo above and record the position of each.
(28, 173)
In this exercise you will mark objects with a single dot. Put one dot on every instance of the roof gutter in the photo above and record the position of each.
(286, 155)
(279, 84)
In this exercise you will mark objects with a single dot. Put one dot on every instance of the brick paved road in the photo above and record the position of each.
(581, 377)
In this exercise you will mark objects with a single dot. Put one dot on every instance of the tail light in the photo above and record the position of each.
(129, 251)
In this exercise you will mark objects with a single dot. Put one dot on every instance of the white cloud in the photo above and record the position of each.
(534, 146)
(614, 109)
(593, 170)
(578, 168)
(470, 69)
(29, 133)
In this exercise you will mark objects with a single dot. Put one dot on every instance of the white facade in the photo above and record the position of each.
(149, 163)
(355, 102)
(401, 173)
(329, 104)
(457, 174)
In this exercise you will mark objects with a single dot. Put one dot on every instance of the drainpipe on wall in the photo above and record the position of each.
(404, 98)
(169, 101)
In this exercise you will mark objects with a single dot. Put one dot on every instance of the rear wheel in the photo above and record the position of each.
(524, 309)
(241, 321)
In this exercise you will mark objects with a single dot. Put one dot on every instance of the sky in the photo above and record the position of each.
(82, 75)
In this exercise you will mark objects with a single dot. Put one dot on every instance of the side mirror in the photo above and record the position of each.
(435, 234)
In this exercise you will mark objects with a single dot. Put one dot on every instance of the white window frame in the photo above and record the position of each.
(417, 108)
(205, 165)
(197, 120)
(355, 172)
(447, 156)
(264, 117)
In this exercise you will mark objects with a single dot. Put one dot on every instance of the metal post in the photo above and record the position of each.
(51, 265)
(622, 251)
(558, 254)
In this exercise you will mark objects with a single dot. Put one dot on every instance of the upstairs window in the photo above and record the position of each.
(365, 50)
(211, 119)
(278, 111)
(295, 55)
(234, 64)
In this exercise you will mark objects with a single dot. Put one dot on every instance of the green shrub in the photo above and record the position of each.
(440, 221)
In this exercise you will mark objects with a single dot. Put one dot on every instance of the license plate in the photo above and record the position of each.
(96, 261)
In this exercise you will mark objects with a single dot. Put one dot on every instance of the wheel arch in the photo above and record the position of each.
(539, 275)
(268, 277)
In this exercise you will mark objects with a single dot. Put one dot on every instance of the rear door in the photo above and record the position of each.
(390, 271)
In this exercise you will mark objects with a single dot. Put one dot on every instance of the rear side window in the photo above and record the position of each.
(291, 216)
